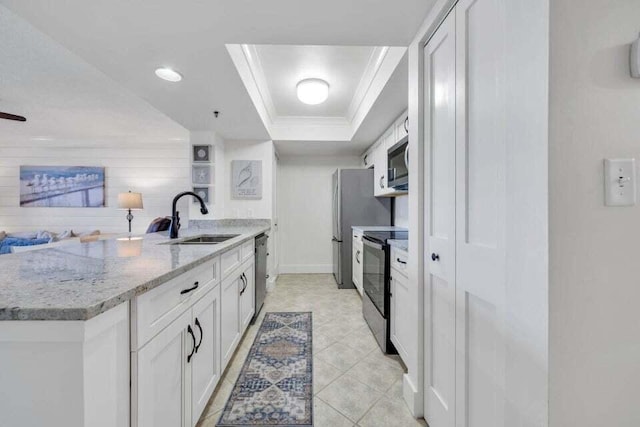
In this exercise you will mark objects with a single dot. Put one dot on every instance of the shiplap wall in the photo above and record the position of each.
(158, 170)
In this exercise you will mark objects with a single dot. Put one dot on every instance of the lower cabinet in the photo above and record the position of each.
(230, 316)
(356, 261)
(248, 295)
(179, 368)
(176, 370)
(401, 324)
(205, 363)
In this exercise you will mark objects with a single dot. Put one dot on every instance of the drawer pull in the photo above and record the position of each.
(358, 257)
(201, 334)
(400, 261)
(193, 288)
(193, 338)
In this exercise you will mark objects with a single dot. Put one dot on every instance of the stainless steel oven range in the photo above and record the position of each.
(375, 277)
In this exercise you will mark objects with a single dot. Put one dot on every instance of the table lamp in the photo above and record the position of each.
(131, 202)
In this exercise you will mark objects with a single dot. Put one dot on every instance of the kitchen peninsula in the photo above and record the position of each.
(132, 331)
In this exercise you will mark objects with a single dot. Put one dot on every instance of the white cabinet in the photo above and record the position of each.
(247, 294)
(357, 261)
(176, 372)
(377, 156)
(230, 316)
(162, 376)
(401, 127)
(403, 324)
(205, 367)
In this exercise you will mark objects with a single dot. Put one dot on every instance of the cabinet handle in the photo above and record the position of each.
(244, 280)
(400, 261)
(406, 125)
(201, 334)
(381, 179)
(357, 257)
(435, 257)
(193, 288)
(193, 338)
(365, 159)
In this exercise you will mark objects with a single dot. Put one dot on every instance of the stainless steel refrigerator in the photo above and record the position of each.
(353, 204)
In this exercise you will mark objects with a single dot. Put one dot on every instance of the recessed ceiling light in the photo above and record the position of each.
(168, 74)
(312, 91)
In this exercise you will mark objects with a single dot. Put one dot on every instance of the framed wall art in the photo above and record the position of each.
(62, 186)
(246, 179)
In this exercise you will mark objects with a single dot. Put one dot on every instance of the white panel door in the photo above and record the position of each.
(205, 364)
(162, 376)
(440, 107)
(480, 213)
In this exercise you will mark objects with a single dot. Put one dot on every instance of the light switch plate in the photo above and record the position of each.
(620, 182)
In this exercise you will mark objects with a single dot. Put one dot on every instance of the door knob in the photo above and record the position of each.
(435, 257)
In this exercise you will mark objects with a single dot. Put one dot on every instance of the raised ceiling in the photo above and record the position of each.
(127, 40)
(356, 75)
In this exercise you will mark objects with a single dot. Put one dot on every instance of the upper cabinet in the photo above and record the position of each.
(376, 156)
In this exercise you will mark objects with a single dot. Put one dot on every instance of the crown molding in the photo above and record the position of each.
(382, 62)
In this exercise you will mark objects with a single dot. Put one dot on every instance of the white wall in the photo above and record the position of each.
(304, 211)
(594, 272)
(158, 170)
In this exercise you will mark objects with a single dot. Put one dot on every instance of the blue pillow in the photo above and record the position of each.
(5, 245)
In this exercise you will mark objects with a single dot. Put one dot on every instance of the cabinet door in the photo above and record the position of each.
(380, 169)
(402, 325)
(439, 219)
(247, 296)
(205, 364)
(162, 371)
(230, 316)
(402, 127)
(358, 272)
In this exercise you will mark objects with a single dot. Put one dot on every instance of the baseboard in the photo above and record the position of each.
(306, 269)
(412, 397)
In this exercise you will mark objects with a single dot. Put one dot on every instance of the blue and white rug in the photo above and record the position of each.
(275, 386)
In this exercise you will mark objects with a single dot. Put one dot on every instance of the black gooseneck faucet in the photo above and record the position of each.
(175, 215)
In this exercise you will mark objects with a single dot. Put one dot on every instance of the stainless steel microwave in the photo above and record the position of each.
(398, 165)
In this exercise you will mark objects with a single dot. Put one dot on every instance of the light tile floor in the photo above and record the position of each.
(355, 384)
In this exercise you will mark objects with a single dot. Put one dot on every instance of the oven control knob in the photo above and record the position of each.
(435, 257)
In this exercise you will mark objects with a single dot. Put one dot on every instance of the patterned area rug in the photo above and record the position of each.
(275, 386)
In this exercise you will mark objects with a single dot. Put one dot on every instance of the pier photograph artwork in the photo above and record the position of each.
(62, 186)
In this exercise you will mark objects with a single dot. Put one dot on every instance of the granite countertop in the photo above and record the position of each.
(81, 280)
(377, 228)
(403, 245)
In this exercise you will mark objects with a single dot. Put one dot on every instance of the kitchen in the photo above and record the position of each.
(321, 214)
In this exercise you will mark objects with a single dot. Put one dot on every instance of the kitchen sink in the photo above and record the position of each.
(205, 239)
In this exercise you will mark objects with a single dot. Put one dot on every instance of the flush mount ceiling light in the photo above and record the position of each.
(312, 91)
(168, 74)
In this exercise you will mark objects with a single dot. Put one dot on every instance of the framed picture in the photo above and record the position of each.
(201, 174)
(202, 154)
(62, 186)
(203, 192)
(246, 179)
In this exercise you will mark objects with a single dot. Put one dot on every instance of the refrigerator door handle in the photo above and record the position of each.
(336, 240)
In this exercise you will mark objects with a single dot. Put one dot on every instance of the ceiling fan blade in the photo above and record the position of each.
(12, 117)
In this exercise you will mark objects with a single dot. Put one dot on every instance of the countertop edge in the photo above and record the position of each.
(87, 313)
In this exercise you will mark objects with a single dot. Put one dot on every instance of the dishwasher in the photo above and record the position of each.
(261, 273)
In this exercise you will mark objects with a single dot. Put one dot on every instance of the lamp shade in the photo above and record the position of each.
(130, 200)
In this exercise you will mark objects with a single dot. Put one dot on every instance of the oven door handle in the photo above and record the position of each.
(369, 242)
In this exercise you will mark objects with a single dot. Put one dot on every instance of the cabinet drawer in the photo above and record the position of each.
(399, 261)
(156, 309)
(230, 260)
(248, 249)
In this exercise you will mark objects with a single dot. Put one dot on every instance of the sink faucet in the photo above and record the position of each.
(175, 215)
